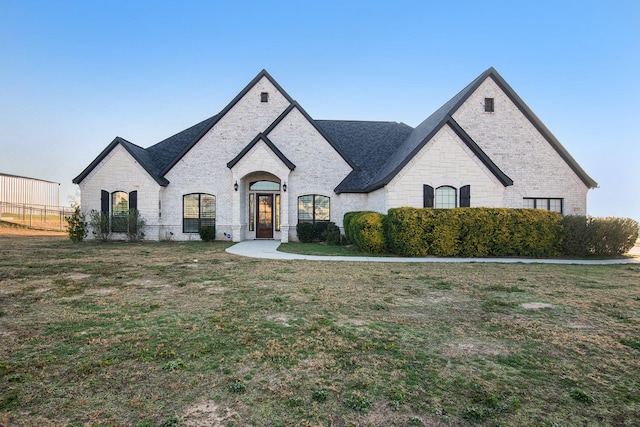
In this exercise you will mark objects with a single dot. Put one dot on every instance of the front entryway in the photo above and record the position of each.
(264, 215)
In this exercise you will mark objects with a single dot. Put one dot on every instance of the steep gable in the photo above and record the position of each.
(444, 115)
(272, 147)
(197, 136)
(139, 154)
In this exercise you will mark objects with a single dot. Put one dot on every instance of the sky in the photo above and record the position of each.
(76, 74)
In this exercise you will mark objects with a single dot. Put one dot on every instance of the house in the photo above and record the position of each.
(262, 165)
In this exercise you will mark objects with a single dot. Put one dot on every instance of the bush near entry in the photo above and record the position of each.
(365, 230)
(321, 231)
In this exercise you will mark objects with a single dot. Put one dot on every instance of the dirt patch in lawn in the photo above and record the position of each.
(207, 413)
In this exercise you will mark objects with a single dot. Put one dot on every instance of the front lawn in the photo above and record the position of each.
(161, 334)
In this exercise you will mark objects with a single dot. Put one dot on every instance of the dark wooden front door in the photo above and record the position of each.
(264, 214)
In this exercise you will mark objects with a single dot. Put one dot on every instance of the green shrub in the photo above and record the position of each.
(135, 226)
(589, 236)
(99, 223)
(406, 230)
(473, 232)
(207, 233)
(332, 234)
(305, 232)
(367, 232)
(77, 225)
(347, 222)
(319, 230)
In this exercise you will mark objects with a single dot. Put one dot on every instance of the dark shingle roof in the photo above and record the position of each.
(138, 153)
(368, 144)
(165, 152)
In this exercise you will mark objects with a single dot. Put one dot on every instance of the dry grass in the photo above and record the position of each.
(185, 334)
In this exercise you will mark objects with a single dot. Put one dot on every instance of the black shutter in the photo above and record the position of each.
(465, 196)
(104, 202)
(133, 200)
(427, 193)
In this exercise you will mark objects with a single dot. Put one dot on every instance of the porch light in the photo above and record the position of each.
(284, 187)
(235, 186)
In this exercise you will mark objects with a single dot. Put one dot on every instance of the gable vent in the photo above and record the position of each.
(264, 97)
(488, 105)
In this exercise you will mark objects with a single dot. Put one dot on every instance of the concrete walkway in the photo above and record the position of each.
(268, 249)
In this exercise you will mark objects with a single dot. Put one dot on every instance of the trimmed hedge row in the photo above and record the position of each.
(473, 232)
(481, 232)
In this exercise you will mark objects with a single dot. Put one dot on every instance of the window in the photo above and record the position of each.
(445, 197)
(264, 186)
(277, 213)
(554, 205)
(488, 105)
(116, 207)
(264, 97)
(252, 212)
(119, 211)
(198, 209)
(313, 208)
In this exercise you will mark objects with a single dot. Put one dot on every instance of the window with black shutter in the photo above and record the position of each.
(428, 196)
(133, 201)
(104, 202)
(465, 196)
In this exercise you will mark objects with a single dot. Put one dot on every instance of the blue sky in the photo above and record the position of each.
(75, 74)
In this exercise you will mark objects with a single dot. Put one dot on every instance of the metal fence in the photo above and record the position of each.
(35, 216)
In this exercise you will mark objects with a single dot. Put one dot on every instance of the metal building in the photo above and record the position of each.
(21, 190)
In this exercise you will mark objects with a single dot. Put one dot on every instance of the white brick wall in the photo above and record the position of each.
(319, 168)
(118, 171)
(445, 160)
(519, 150)
(204, 168)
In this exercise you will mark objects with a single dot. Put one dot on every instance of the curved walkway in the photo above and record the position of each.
(269, 249)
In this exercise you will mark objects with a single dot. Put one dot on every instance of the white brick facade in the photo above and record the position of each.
(520, 151)
(445, 161)
(289, 148)
(118, 171)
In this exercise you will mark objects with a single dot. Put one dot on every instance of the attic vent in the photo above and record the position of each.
(488, 105)
(264, 97)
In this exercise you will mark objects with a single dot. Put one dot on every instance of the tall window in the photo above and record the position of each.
(446, 197)
(116, 206)
(313, 208)
(544, 204)
(198, 209)
(119, 211)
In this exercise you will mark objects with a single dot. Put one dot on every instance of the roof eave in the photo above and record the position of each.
(540, 127)
(124, 143)
(262, 137)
